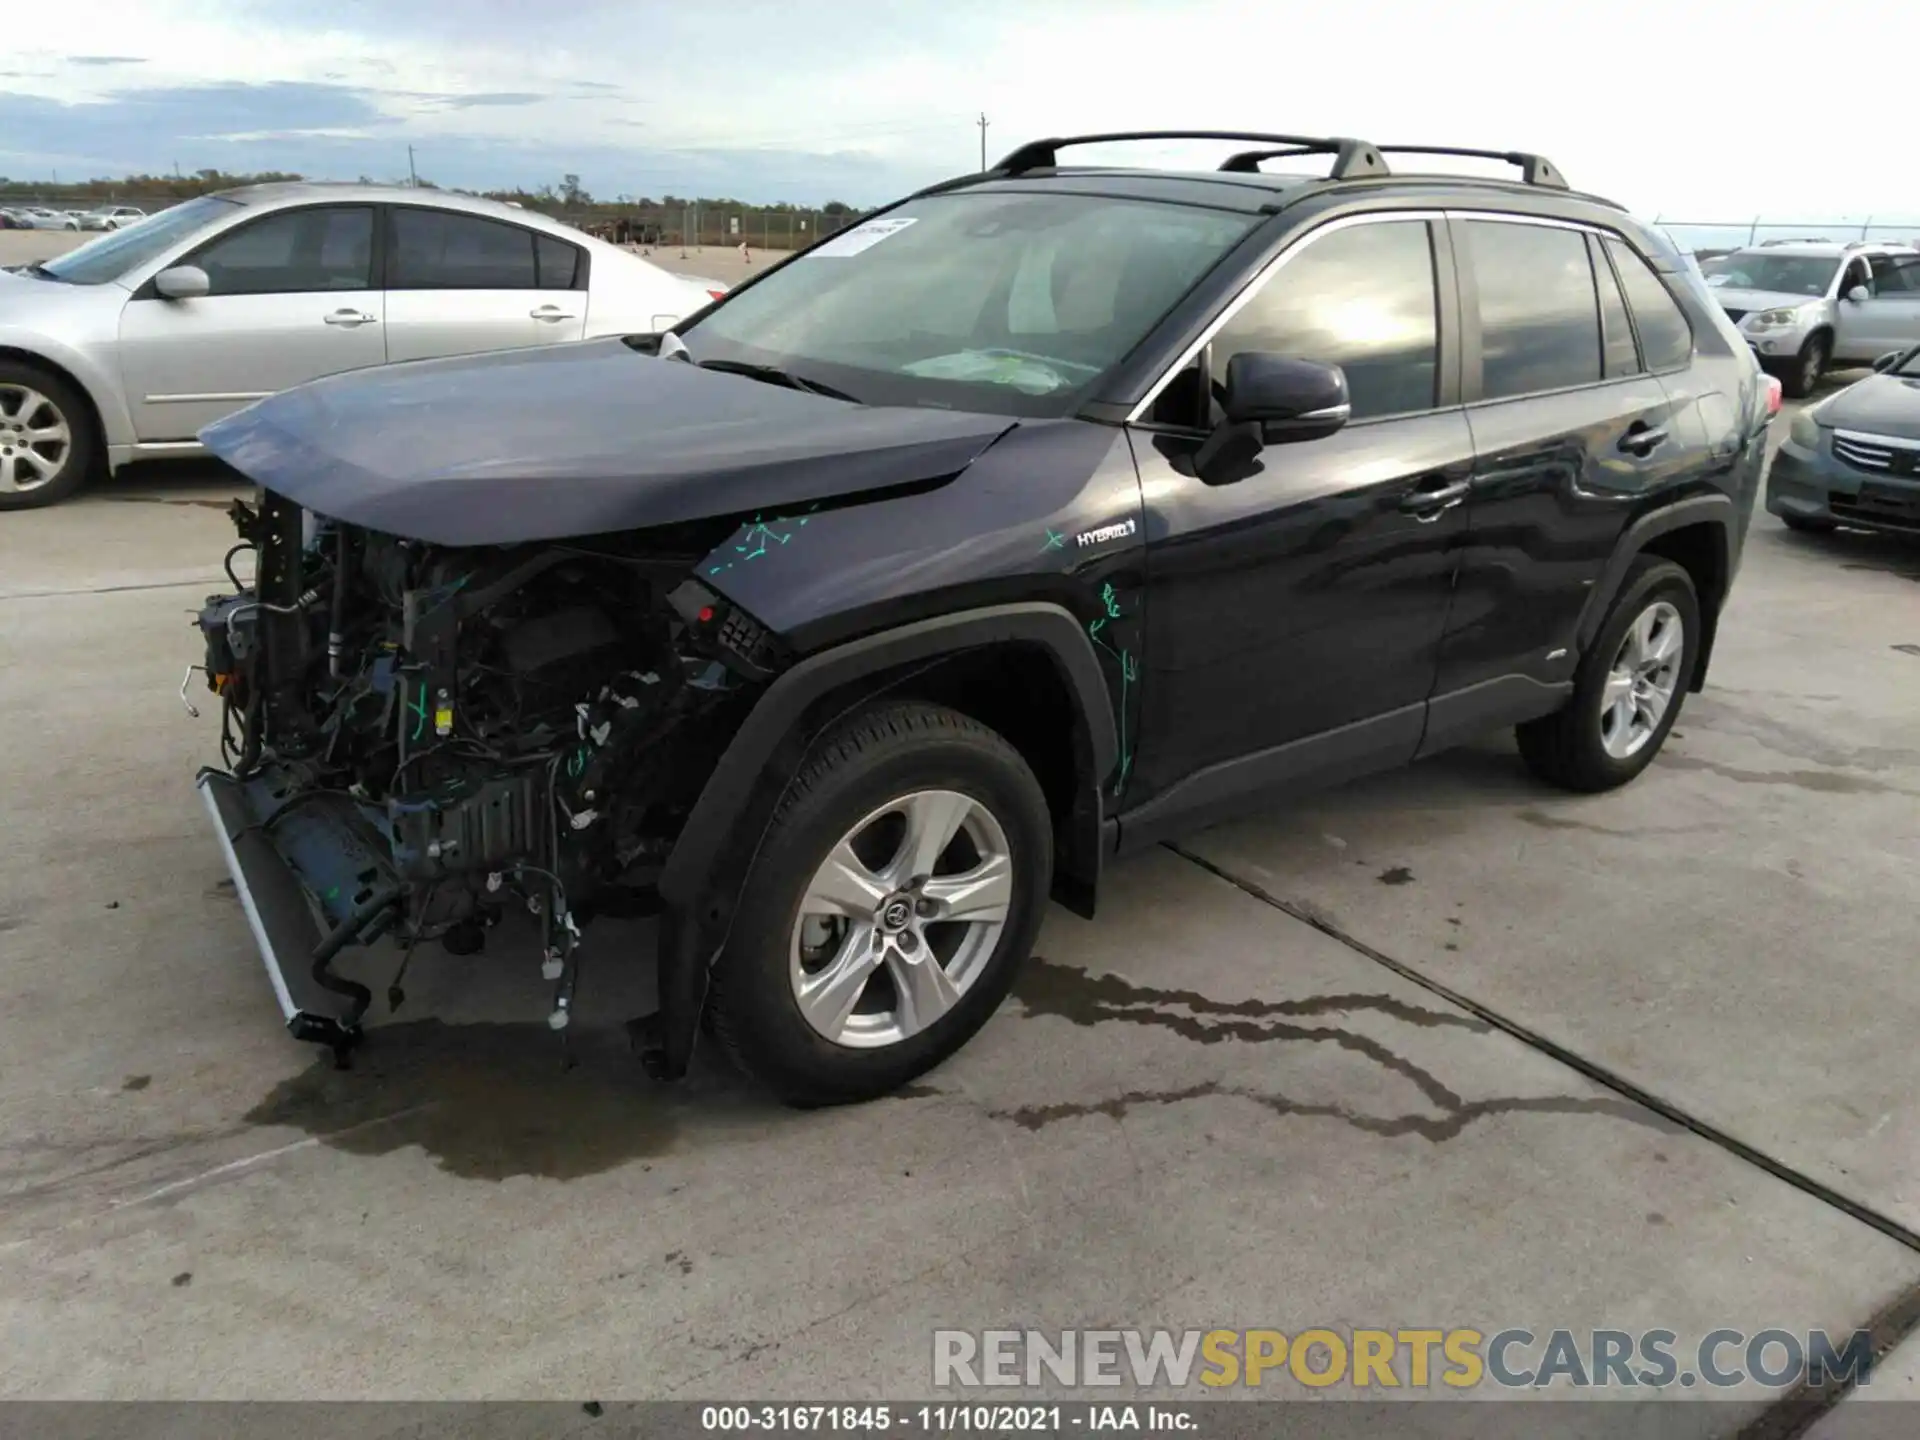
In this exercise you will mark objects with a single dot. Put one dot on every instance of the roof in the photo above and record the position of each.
(287, 192)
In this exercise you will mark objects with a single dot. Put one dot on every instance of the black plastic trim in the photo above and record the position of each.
(1505, 700)
(709, 828)
(1694, 510)
(1233, 787)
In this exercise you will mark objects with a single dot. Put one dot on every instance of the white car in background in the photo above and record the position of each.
(111, 217)
(126, 347)
(39, 217)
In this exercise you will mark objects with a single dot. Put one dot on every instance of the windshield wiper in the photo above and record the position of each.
(774, 375)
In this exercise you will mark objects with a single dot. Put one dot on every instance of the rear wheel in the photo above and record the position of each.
(899, 890)
(1629, 688)
(46, 438)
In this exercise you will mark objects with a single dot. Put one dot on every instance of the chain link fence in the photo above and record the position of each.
(1735, 234)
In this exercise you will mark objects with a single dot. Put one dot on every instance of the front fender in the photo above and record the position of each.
(94, 369)
(702, 879)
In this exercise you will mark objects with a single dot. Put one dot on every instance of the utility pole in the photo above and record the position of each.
(982, 123)
(413, 176)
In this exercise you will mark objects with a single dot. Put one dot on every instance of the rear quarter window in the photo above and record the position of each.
(1666, 340)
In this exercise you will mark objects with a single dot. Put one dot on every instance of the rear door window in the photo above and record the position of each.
(559, 263)
(440, 250)
(1539, 311)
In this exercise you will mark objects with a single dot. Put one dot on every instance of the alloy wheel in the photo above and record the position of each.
(901, 919)
(1640, 686)
(36, 441)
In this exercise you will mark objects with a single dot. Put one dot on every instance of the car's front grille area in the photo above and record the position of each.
(1879, 505)
(1876, 454)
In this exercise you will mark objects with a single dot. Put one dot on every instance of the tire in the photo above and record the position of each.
(1808, 524)
(845, 800)
(1802, 377)
(32, 398)
(1571, 748)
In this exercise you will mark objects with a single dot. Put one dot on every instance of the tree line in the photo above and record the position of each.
(566, 197)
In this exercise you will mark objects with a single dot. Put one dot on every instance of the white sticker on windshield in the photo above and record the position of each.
(862, 237)
(1718, 279)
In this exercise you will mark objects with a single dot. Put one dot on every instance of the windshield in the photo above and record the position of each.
(1782, 274)
(118, 251)
(1008, 304)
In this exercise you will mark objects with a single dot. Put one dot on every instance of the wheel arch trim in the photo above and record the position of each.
(1716, 511)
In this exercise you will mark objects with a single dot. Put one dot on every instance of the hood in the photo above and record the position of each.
(575, 440)
(1731, 298)
(1881, 405)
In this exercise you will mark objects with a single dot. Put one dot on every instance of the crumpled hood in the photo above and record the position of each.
(570, 440)
(1881, 405)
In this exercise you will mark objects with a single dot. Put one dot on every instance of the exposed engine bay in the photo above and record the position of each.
(428, 735)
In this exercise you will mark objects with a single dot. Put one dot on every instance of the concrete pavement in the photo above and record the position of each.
(1200, 1111)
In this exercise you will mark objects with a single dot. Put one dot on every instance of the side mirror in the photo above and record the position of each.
(1271, 399)
(1859, 293)
(182, 282)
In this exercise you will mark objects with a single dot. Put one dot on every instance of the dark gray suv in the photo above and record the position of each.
(1042, 516)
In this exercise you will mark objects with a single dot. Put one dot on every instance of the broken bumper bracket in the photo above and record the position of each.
(283, 921)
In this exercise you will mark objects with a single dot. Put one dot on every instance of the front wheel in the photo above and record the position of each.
(1802, 376)
(899, 889)
(47, 447)
(1629, 687)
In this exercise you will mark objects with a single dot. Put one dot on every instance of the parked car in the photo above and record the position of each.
(10, 221)
(38, 217)
(1854, 459)
(112, 217)
(127, 346)
(1807, 306)
(1041, 516)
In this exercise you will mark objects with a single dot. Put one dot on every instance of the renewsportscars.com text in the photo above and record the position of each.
(1458, 1359)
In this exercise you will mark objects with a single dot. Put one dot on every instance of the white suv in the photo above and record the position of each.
(1807, 306)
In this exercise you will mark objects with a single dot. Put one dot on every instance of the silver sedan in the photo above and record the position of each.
(125, 348)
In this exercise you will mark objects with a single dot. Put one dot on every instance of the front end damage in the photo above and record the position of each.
(419, 737)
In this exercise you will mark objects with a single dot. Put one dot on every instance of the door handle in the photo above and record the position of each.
(351, 317)
(550, 312)
(1429, 505)
(1643, 439)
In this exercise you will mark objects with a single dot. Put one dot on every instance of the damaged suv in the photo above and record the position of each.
(1039, 517)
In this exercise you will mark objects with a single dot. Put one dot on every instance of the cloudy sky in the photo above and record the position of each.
(1693, 109)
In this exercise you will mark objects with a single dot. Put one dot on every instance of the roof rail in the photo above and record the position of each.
(1534, 169)
(1353, 159)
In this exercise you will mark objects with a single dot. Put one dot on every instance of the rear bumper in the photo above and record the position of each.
(285, 922)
